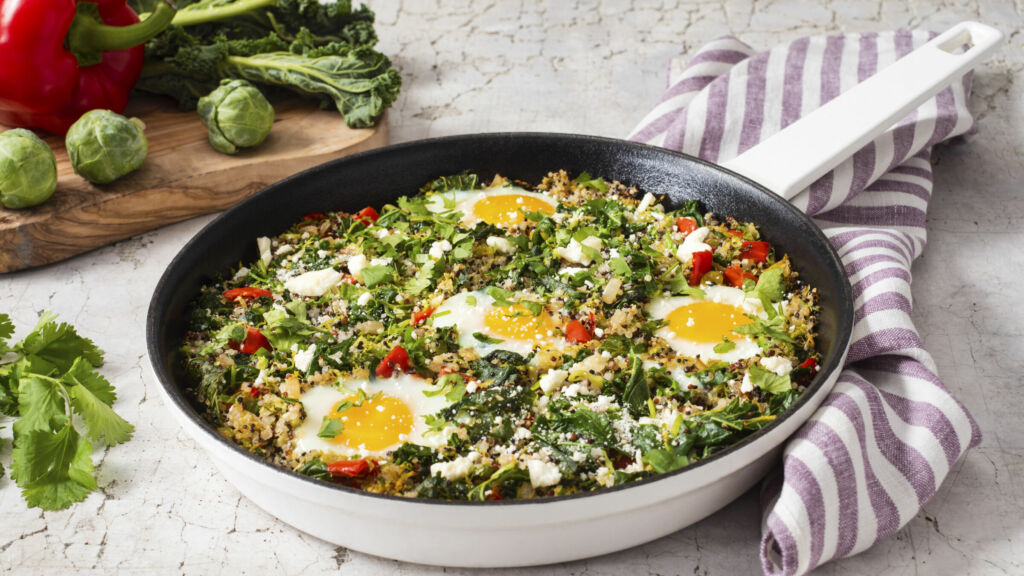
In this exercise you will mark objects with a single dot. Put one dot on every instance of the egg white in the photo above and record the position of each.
(319, 401)
(466, 311)
(661, 307)
(465, 201)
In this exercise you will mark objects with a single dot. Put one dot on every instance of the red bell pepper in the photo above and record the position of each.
(735, 275)
(351, 468)
(254, 340)
(756, 251)
(735, 233)
(397, 359)
(248, 293)
(62, 58)
(576, 333)
(686, 225)
(420, 316)
(701, 265)
(367, 215)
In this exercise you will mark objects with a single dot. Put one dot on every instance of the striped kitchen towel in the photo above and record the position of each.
(889, 433)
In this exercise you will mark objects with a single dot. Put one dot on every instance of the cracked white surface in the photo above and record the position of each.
(595, 68)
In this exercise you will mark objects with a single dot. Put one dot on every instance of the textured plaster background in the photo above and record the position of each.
(587, 67)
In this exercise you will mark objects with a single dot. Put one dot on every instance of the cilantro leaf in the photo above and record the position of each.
(284, 330)
(724, 346)
(330, 428)
(481, 337)
(91, 398)
(53, 470)
(374, 275)
(769, 381)
(41, 406)
(584, 179)
(667, 459)
(6, 330)
(54, 347)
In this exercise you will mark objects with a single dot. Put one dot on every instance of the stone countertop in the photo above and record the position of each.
(594, 68)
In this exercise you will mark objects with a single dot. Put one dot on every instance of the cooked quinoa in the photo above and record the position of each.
(597, 380)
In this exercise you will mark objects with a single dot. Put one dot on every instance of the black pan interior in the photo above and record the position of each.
(378, 177)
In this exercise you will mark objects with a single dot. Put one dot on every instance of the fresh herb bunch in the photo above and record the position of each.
(45, 379)
(323, 51)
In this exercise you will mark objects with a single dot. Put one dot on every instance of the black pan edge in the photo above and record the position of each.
(601, 155)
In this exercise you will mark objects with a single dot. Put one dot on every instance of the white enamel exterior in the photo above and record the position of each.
(528, 533)
(807, 149)
(523, 533)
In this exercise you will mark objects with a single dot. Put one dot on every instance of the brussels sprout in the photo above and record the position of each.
(28, 169)
(103, 145)
(237, 116)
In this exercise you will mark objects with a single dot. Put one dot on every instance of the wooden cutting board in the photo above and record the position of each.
(183, 177)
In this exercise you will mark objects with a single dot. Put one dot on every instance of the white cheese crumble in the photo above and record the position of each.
(304, 357)
(356, 265)
(314, 284)
(777, 364)
(543, 473)
(747, 386)
(437, 249)
(553, 379)
(501, 244)
(364, 298)
(574, 251)
(455, 469)
(693, 243)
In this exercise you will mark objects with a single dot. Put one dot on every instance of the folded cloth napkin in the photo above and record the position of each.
(889, 433)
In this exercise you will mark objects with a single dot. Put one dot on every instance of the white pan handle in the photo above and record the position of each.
(807, 149)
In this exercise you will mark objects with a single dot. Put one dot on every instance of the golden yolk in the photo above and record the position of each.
(509, 209)
(706, 321)
(374, 425)
(518, 323)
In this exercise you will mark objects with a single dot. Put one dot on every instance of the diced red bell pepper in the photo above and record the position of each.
(755, 250)
(735, 275)
(686, 225)
(351, 468)
(737, 233)
(810, 363)
(420, 316)
(701, 265)
(576, 333)
(314, 216)
(397, 359)
(367, 215)
(248, 293)
(254, 340)
(348, 279)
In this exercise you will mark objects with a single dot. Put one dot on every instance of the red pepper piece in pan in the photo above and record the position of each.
(735, 275)
(755, 250)
(576, 333)
(701, 265)
(254, 340)
(249, 293)
(686, 225)
(62, 58)
(351, 468)
(367, 215)
(397, 359)
(420, 316)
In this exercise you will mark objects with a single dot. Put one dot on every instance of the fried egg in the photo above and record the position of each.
(391, 414)
(513, 328)
(695, 326)
(505, 206)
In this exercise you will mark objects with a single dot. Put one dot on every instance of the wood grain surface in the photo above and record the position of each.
(183, 177)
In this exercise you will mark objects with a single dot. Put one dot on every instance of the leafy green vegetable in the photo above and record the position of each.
(44, 380)
(330, 427)
(724, 346)
(769, 381)
(284, 330)
(481, 337)
(373, 275)
(584, 179)
(315, 468)
(637, 393)
(691, 209)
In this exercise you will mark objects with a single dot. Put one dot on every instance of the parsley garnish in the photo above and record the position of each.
(44, 380)
(330, 428)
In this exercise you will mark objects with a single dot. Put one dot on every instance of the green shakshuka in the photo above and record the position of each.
(488, 341)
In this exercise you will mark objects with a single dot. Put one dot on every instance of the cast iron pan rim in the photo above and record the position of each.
(177, 394)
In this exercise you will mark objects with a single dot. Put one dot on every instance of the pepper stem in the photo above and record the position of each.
(89, 37)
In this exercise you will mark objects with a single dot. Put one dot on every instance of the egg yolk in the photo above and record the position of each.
(517, 323)
(375, 425)
(509, 209)
(706, 321)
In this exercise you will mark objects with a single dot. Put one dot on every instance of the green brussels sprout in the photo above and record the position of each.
(28, 169)
(103, 146)
(237, 116)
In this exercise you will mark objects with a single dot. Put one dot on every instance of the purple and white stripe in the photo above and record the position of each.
(889, 432)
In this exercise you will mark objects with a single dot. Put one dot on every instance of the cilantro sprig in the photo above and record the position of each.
(45, 380)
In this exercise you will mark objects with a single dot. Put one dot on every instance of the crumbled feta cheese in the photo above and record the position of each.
(314, 284)
(747, 386)
(553, 379)
(437, 249)
(604, 476)
(283, 249)
(263, 244)
(574, 251)
(383, 233)
(777, 364)
(694, 243)
(356, 265)
(471, 386)
(501, 244)
(543, 473)
(380, 261)
(521, 433)
(455, 469)
(570, 270)
(303, 358)
(602, 404)
(364, 298)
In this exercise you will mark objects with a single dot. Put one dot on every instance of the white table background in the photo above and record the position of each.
(593, 68)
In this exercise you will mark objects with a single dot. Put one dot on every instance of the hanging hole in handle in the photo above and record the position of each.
(958, 44)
